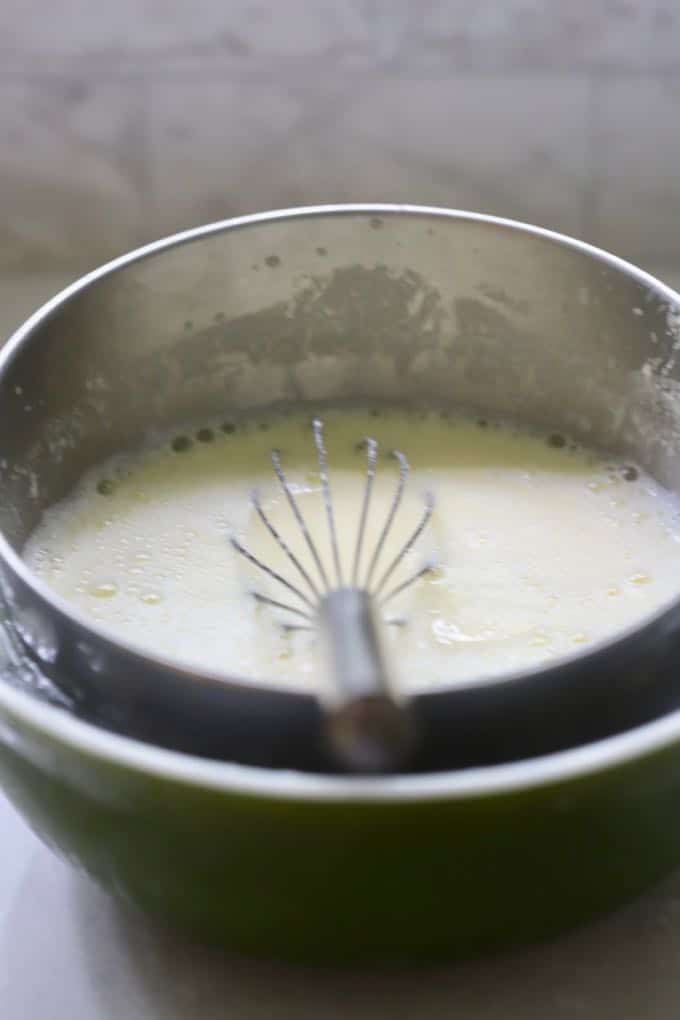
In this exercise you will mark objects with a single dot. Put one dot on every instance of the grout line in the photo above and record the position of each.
(300, 69)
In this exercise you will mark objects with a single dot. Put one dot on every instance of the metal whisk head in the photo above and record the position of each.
(368, 726)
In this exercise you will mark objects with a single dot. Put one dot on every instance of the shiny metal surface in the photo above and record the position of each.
(369, 726)
(374, 303)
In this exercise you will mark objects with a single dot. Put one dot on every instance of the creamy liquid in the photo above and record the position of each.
(541, 548)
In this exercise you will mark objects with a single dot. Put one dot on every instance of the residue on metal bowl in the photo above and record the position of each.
(18, 670)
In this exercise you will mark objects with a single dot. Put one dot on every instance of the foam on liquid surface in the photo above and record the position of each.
(540, 548)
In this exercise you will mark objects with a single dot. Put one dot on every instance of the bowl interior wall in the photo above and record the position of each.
(454, 312)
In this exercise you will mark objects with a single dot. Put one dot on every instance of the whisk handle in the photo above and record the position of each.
(368, 728)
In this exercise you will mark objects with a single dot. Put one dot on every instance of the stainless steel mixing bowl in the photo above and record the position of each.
(389, 304)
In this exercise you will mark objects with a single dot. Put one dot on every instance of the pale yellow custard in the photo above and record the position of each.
(541, 548)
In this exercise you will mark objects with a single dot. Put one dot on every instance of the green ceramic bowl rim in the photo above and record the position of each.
(56, 724)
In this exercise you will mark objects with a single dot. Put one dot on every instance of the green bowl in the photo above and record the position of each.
(334, 870)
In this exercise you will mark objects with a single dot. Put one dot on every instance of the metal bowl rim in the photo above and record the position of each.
(238, 778)
(155, 763)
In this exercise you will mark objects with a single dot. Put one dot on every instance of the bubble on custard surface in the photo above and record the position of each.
(181, 444)
(103, 589)
(106, 487)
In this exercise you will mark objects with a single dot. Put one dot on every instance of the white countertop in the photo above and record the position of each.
(68, 952)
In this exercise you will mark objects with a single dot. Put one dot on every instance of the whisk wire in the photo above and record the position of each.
(312, 604)
(394, 506)
(404, 585)
(317, 429)
(297, 513)
(408, 545)
(267, 601)
(270, 573)
(371, 456)
(255, 500)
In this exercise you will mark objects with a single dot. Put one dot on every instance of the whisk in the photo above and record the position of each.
(368, 725)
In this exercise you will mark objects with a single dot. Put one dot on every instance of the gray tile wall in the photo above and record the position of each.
(124, 121)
